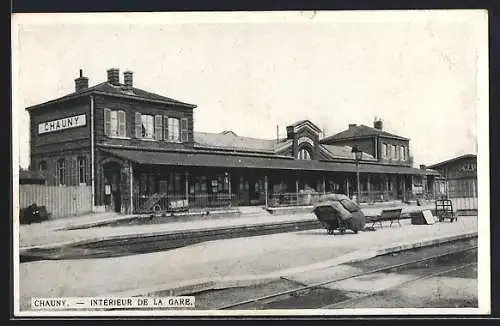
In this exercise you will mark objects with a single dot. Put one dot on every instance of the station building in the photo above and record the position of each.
(129, 144)
(458, 176)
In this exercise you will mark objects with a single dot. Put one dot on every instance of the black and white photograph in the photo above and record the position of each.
(251, 163)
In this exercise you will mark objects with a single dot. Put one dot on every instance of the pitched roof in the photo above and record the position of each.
(360, 131)
(31, 175)
(452, 160)
(342, 152)
(300, 123)
(106, 88)
(232, 161)
(230, 141)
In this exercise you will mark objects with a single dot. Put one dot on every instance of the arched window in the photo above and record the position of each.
(61, 172)
(303, 154)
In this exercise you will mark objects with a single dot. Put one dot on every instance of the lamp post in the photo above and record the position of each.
(358, 155)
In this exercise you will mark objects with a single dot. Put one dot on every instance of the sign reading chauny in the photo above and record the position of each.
(61, 124)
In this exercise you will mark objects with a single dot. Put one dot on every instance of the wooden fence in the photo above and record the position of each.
(60, 201)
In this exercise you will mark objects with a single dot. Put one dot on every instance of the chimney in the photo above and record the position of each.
(352, 125)
(114, 76)
(81, 83)
(377, 124)
(423, 167)
(128, 79)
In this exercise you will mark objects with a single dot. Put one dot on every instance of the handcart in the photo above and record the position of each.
(159, 203)
(444, 210)
(336, 211)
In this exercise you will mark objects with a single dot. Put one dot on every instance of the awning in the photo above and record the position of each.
(254, 162)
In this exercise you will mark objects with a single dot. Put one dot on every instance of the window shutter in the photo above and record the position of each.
(158, 127)
(165, 127)
(121, 124)
(138, 125)
(184, 130)
(107, 122)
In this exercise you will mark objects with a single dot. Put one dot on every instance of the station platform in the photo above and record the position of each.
(95, 227)
(229, 262)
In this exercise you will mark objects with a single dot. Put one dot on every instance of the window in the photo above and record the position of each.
(42, 166)
(173, 129)
(158, 127)
(402, 153)
(184, 130)
(303, 154)
(147, 126)
(82, 170)
(220, 183)
(384, 150)
(203, 188)
(114, 123)
(61, 172)
(394, 152)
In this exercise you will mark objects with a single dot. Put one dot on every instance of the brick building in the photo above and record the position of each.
(130, 144)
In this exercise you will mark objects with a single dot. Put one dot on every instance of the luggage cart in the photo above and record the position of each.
(444, 210)
(336, 211)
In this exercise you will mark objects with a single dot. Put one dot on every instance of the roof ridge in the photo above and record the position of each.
(236, 135)
(357, 132)
(453, 159)
(107, 88)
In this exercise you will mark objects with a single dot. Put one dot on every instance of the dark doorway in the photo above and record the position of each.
(112, 186)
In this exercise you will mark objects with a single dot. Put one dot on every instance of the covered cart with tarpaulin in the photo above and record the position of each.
(336, 211)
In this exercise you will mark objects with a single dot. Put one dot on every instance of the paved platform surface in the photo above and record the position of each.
(221, 261)
(53, 233)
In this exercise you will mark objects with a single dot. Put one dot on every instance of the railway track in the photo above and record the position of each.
(374, 293)
(254, 303)
(140, 244)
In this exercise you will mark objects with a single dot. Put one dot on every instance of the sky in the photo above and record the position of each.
(249, 73)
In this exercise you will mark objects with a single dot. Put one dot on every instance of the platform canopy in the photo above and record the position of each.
(227, 160)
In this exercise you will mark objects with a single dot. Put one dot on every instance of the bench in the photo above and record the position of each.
(392, 215)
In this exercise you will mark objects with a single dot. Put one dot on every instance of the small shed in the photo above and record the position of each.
(31, 177)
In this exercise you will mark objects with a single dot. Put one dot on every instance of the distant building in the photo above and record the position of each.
(459, 175)
(385, 147)
(142, 145)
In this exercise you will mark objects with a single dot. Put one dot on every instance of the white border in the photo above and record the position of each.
(483, 159)
(477, 18)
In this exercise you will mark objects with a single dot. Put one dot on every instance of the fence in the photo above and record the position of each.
(60, 201)
(302, 199)
(375, 196)
(463, 197)
(172, 202)
(292, 199)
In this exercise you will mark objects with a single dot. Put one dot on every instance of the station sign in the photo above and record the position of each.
(62, 124)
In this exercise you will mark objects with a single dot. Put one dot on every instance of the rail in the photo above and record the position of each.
(372, 196)
(293, 199)
(376, 270)
(418, 278)
(174, 202)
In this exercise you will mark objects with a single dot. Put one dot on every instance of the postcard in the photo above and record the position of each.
(282, 163)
